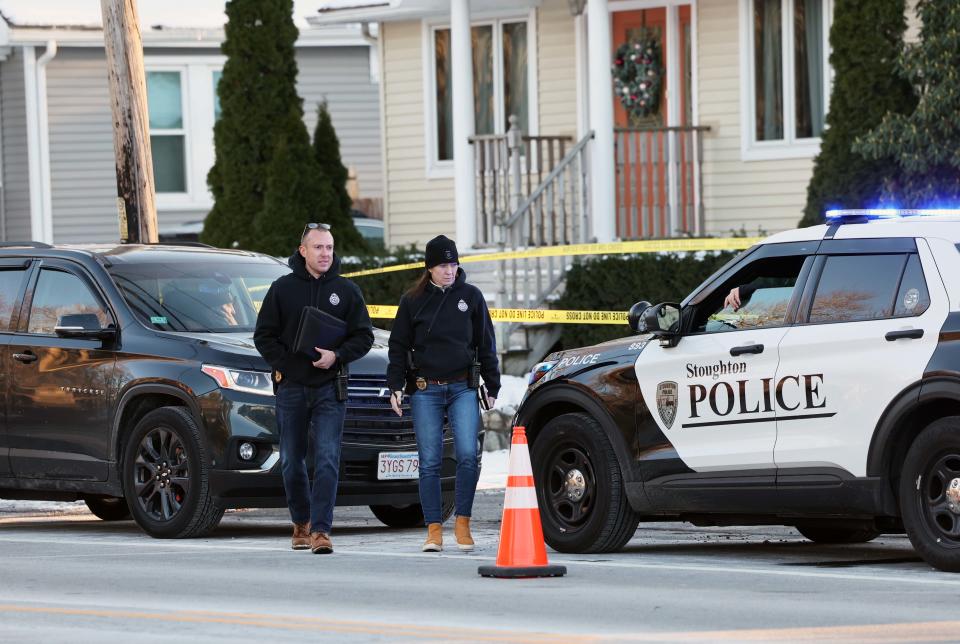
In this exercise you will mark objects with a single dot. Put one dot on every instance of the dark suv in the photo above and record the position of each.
(130, 381)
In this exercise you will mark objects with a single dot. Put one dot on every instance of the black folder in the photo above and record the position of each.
(318, 329)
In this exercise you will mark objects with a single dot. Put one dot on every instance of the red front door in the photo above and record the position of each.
(641, 142)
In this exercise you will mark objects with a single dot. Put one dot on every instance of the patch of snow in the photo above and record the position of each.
(512, 389)
(493, 472)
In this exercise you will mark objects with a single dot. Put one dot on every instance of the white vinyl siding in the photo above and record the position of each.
(765, 194)
(16, 180)
(417, 208)
(83, 180)
(557, 64)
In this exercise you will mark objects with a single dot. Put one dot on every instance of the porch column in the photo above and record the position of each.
(599, 48)
(461, 77)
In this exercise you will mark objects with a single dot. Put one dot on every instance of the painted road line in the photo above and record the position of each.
(945, 631)
(296, 623)
(924, 578)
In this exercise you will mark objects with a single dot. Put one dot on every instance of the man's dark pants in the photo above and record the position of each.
(302, 411)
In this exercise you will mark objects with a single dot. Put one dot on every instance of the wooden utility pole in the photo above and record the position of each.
(136, 204)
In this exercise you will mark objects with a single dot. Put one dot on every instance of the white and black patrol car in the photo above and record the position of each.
(828, 400)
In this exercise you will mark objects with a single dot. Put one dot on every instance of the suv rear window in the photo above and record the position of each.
(10, 280)
(201, 297)
(869, 287)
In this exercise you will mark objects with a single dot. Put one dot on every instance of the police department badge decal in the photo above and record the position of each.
(334, 299)
(462, 306)
(667, 402)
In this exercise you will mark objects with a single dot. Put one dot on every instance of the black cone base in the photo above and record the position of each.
(514, 572)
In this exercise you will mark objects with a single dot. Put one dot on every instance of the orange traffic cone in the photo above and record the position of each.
(522, 552)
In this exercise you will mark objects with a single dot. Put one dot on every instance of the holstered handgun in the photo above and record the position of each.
(473, 371)
(342, 383)
(410, 377)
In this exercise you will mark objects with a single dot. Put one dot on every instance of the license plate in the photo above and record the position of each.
(398, 465)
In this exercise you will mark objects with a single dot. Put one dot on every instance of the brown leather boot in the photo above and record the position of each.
(461, 529)
(301, 536)
(320, 543)
(434, 542)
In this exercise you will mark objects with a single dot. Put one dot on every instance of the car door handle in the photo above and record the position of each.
(904, 333)
(25, 357)
(747, 348)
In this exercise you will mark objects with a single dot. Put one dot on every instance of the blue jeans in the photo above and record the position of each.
(304, 413)
(459, 403)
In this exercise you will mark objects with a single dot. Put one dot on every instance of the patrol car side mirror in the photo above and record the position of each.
(663, 321)
(83, 325)
(635, 313)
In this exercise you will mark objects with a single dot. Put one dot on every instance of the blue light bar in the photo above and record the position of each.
(861, 215)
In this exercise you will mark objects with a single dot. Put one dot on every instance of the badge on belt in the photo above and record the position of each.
(277, 376)
(421, 383)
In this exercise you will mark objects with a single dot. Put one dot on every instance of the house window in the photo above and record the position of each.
(183, 103)
(500, 81)
(216, 97)
(167, 134)
(787, 70)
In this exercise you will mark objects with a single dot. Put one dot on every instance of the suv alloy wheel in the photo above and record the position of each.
(165, 476)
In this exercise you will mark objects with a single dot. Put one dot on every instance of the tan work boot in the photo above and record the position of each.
(461, 529)
(434, 542)
(301, 536)
(320, 543)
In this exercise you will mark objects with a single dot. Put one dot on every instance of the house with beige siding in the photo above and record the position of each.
(728, 146)
(57, 178)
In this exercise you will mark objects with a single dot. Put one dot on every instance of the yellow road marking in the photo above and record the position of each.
(889, 633)
(943, 631)
(289, 622)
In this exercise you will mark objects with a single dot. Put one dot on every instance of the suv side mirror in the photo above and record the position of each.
(83, 325)
(635, 313)
(663, 321)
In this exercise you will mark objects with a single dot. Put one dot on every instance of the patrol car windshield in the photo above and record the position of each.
(204, 297)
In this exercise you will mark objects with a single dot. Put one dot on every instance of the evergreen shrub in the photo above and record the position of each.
(866, 87)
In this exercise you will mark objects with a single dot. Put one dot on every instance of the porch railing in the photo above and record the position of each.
(509, 167)
(659, 186)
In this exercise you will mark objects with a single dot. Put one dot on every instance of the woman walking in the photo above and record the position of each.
(443, 325)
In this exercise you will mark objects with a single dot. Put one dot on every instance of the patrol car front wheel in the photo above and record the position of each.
(582, 501)
(930, 494)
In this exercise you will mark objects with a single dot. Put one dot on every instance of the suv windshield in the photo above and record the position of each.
(222, 297)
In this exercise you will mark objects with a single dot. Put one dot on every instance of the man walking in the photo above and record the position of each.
(307, 403)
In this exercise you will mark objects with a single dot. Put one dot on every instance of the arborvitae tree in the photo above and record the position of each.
(294, 194)
(326, 150)
(866, 40)
(326, 146)
(926, 142)
(258, 83)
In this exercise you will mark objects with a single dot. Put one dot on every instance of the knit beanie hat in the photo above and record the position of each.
(441, 250)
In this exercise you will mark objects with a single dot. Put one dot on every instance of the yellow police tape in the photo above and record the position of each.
(685, 244)
(530, 316)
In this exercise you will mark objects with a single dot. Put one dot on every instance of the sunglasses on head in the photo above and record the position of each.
(313, 226)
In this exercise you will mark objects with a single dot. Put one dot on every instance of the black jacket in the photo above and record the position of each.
(443, 326)
(280, 314)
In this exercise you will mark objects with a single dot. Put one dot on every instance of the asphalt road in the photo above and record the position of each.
(70, 577)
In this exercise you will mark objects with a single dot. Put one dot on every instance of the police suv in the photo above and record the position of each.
(828, 400)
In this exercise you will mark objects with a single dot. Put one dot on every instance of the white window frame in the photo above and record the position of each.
(435, 168)
(791, 146)
(196, 94)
